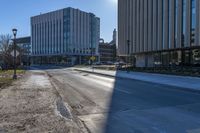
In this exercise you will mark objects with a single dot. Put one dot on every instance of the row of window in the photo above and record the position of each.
(153, 25)
(49, 37)
(180, 57)
(45, 35)
(174, 23)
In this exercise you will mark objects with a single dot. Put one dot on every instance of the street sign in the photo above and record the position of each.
(93, 58)
(13, 54)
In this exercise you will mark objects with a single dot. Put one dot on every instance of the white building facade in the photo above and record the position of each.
(68, 33)
(159, 32)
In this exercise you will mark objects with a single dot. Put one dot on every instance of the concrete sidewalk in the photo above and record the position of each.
(186, 82)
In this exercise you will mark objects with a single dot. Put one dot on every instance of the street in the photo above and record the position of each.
(111, 105)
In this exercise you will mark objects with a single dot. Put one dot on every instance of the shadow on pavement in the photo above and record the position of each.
(143, 107)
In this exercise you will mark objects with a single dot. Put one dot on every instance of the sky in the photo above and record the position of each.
(17, 13)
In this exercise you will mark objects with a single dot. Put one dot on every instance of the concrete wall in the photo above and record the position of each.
(141, 60)
(145, 60)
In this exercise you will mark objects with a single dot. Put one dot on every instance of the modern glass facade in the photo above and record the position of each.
(166, 33)
(65, 32)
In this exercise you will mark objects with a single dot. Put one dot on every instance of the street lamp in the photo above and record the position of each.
(14, 61)
(128, 52)
(91, 54)
(91, 58)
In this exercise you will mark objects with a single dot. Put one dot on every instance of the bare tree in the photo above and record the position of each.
(5, 49)
(5, 42)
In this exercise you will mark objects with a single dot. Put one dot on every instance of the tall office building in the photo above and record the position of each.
(159, 32)
(67, 35)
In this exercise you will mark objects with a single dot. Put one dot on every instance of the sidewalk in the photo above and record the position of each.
(32, 104)
(189, 83)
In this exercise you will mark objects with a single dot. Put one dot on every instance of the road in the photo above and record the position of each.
(111, 105)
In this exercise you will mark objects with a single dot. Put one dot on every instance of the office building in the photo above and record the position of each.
(159, 32)
(64, 36)
(25, 49)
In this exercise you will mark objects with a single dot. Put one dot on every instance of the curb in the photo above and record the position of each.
(191, 90)
(106, 75)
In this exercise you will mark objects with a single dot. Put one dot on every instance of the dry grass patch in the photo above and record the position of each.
(6, 77)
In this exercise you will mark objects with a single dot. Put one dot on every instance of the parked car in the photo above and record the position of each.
(120, 63)
(97, 63)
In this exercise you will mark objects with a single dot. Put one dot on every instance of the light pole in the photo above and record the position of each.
(91, 52)
(128, 51)
(91, 59)
(14, 60)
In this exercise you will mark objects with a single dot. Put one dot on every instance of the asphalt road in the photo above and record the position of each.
(127, 106)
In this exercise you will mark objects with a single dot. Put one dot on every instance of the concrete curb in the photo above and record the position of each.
(108, 75)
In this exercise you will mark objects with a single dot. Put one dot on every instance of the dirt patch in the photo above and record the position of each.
(30, 104)
(6, 77)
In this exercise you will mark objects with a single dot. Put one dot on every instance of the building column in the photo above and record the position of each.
(150, 24)
(179, 24)
(166, 24)
(145, 25)
(188, 23)
(160, 25)
(155, 24)
(172, 24)
(141, 26)
(197, 30)
(138, 27)
(134, 26)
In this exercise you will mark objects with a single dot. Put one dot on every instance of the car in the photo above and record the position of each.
(97, 63)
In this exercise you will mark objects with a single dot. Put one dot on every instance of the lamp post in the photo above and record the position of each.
(91, 58)
(128, 52)
(91, 52)
(14, 60)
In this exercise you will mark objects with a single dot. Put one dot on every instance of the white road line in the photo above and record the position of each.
(124, 91)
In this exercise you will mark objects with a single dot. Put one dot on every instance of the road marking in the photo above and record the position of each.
(124, 91)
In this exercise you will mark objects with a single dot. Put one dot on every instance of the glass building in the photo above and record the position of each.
(159, 32)
(67, 35)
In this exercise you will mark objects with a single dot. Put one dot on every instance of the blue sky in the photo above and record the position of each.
(17, 13)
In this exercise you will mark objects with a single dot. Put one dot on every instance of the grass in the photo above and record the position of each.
(6, 77)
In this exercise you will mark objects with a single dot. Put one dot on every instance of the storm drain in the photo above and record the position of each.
(63, 110)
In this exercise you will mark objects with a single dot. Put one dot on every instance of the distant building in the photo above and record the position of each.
(159, 32)
(114, 39)
(25, 46)
(107, 51)
(65, 36)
